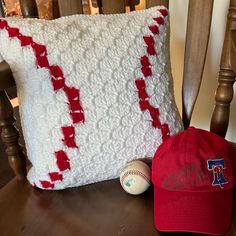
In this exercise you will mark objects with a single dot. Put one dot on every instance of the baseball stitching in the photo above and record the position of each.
(134, 172)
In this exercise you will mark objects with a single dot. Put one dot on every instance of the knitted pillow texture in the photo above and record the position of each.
(95, 92)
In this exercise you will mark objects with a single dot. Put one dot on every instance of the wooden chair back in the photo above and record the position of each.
(197, 36)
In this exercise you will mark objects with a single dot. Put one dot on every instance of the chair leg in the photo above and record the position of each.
(10, 136)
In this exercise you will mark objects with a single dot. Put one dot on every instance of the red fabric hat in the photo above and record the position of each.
(193, 183)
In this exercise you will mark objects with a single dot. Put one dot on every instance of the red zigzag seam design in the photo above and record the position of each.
(146, 69)
(58, 83)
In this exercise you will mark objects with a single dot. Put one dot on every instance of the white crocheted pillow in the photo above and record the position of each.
(95, 92)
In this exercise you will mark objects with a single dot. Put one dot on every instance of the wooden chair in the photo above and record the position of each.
(104, 208)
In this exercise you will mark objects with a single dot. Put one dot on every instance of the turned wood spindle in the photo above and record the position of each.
(130, 3)
(10, 137)
(224, 93)
(29, 8)
(2, 12)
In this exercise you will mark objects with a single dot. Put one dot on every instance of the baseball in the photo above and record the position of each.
(135, 177)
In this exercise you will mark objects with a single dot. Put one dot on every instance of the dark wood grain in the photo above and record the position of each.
(98, 209)
(55, 8)
(113, 6)
(6, 174)
(152, 3)
(6, 77)
(70, 7)
(2, 13)
(197, 36)
(101, 209)
(99, 5)
(132, 4)
(10, 135)
(29, 8)
(226, 79)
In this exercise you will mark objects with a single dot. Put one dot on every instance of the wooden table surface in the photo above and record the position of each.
(93, 210)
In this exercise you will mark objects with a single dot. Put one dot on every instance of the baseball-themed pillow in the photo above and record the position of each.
(95, 92)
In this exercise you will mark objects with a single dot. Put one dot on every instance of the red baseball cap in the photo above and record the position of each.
(193, 181)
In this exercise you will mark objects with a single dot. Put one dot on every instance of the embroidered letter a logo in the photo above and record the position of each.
(217, 166)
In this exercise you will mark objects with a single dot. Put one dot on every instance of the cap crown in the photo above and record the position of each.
(193, 160)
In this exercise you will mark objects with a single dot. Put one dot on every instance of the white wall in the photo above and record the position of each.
(205, 102)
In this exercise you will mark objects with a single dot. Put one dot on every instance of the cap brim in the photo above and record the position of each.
(201, 212)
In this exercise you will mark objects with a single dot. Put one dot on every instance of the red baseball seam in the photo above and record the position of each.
(134, 172)
(146, 69)
(59, 83)
(69, 136)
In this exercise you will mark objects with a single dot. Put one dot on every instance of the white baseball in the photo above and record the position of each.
(135, 177)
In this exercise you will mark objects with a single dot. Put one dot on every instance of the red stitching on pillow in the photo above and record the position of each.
(147, 71)
(77, 117)
(164, 12)
(55, 176)
(39, 50)
(157, 124)
(25, 40)
(140, 84)
(154, 112)
(159, 20)
(42, 61)
(69, 136)
(63, 161)
(143, 105)
(76, 106)
(77, 112)
(58, 82)
(143, 94)
(46, 184)
(165, 130)
(13, 32)
(151, 50)
(72, 93)
(154, 29)
(56, 71)
(145, 61)
(149, 40)
(3, 24)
